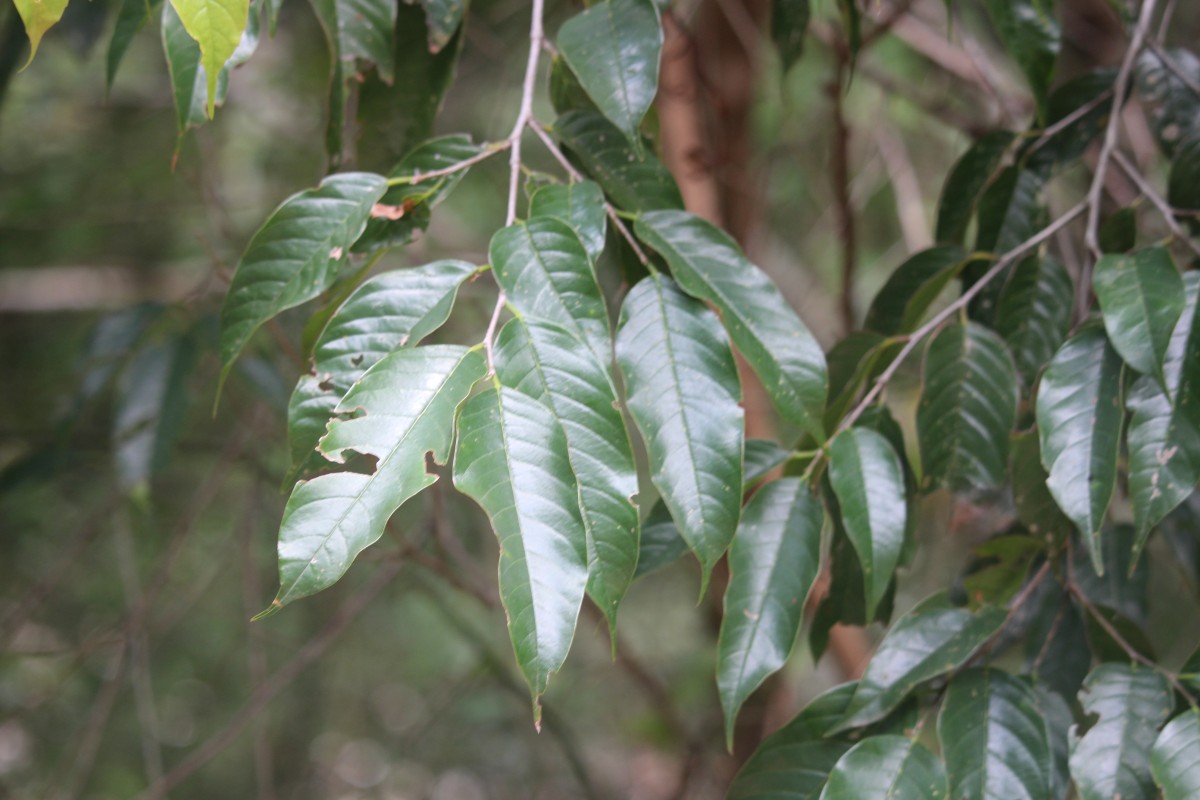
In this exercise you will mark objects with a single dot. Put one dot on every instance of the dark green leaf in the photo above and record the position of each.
(1030, 32)
(131, 18)
(408, 402)
(1034, 312)
(1175, 758)
(1113, 758)
(613, 48)
(1035, 505)
(442, 18)
(994, 739)
(683, 393)
(1108, 648)
(1068, 144)
(1056, 644)
(1119, 232)
(971, 174)
(912, 288)
(1183, 188)
(546, 272)
(894, 767)
(1124, 583)
(1079, 417)
(789, 24)
(512, 460)
(1010, 212)
(772, 565)
(709, 266)
(295, 255)
(633, 181)
(565, 92)
(359, 29)
(868, 479)
(1173, 105)
(1183, 355)
(932, 639)
(999, 567)
(1141, 297)
(554, 367)
(968, 408)
(580, 205)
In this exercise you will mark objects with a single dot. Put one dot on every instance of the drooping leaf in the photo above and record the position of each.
(772, 565)
(295, 255)
(549, 364)
(613, 47)
(1112, 759)
(993, 738)
(868, 479)
(633, 181)
(932, 639)
(580, 205)
(545, 270)
(131, 18)
(512, 460)
(895, 767)
(189, 77)
(789, 24)
(408, 402)
(1034, 312)
(1175, 758)
(442, 18)
(709, 265)
(217, 27)
(1071, 139)
(912, 288)
(683, 393)
(1031, 34)
(359, 29)
(1141, 297)
(971, 174)
(1174, 107)
(1010, 212)
(1079, 415)
(1124, 584)
(968, 408)
(854, 363)
(39, 16)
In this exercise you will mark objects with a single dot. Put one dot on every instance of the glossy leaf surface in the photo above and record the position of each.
(1175, 758)
(894, 767)
(580, 205)
(1141, 297)
(912, 288)
(634, 181)
(1031, 34)
(1034, 313)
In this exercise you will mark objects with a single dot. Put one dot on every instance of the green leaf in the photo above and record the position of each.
(613, 48)
(894, 767)
(1113, 758)
(442, 18)
(1183, 355)
(912, 288)
(1175, 758)
(994, 738)
(1068, 144)
(633, 180)
(931, 640)
(407, 404)
(789, 24)
(544, 361)
(217, 26)
(772, 565)
(1119, 232)
(1010, 212)
(39, 16)
(1056, 645)
(1124, 583)
(1141, 297)
(359, 29)
(1079, 415)
(1183, 187)
(543, 267)
(512, 460)
(1174, 108)
(189, 78)
(1035, 505)
(709, 266)
(999, 567)
(868, 479)
(310, 408)
(565, 92)
(295, 255)
(851, 26)
(683, 393)
(971, 174)
(1030, 32)
(1034, 312)
(581, 206)
(131, 18)
(967, 409)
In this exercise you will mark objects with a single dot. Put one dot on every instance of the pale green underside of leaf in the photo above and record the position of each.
(1175, 758)
(217, 26)
(994, 739)
(709, 265)
(544, 361)
(295, 255)
(868, 479)
(892, 767)
(407, 404)
(613, 48)
(1113, 758)
(968, 408)
(932, 639)
(683, 393)
(581, 206)
(1079, 415)
(634, 181)
(1141, 296)
(512, 459)
(772, 565)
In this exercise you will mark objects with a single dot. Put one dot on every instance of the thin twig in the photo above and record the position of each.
(1091, 234)
(1053, 130)
(1156, 199)
(490, 149)
(1174, 66)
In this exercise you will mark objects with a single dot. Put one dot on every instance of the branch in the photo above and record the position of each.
(490, 149)
(1156, 199)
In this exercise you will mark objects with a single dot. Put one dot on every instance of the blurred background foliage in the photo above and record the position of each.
(137, 531)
